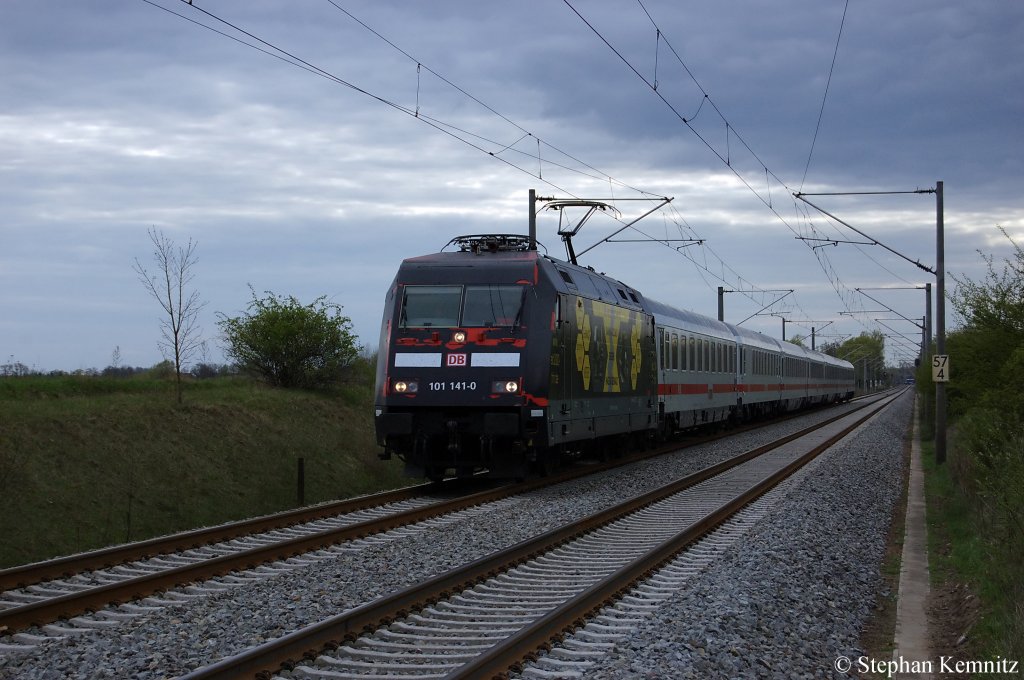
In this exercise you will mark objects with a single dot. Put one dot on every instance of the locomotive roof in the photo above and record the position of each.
(467, 267)
(468, 258)
(504, 251)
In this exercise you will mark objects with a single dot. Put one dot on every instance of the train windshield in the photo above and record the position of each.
(434, 306)
(451, 306)
(493, 305)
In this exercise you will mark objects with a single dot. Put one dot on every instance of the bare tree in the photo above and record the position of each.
(169, 286)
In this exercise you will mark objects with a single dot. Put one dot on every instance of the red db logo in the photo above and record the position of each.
(456, 360)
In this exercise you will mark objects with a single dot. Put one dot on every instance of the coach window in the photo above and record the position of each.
(493, 305)
(683, 363)
(707, 355)
(675, 351)
(661, 347)
(431, 306)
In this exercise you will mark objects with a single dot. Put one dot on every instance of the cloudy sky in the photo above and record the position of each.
(385, 128)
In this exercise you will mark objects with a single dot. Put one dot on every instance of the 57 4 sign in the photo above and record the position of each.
(940, 368)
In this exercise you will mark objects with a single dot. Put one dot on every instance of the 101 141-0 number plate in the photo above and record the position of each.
(452, 385)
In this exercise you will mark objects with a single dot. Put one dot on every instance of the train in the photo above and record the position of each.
(496, 357)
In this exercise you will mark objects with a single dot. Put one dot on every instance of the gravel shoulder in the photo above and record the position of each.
(792, 599)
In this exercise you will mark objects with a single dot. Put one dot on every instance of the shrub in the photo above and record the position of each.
(289, 344)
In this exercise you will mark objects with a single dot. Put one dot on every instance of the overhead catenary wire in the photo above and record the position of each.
(824, 97)
(842, 290)
(451, 130)
(466, 135)
(479, 142)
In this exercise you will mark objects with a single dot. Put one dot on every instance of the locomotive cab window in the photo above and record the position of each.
(444, 306)
(493, 305)
(431, 306)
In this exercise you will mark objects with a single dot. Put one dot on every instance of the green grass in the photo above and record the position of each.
(963, 548)
(87, 462)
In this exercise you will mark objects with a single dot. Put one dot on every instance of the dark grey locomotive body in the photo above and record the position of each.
(496, 356)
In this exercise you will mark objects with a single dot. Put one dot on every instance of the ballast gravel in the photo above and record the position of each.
(791, 600)
(784, 603)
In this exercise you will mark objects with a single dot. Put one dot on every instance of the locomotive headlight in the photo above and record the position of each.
(505, 387)
(459, 336)
(406, 386)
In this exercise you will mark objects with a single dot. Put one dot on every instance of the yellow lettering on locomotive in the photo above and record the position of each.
(612, 382)
(613, 337)
(583, 343)
(602, 312)
(636, 357)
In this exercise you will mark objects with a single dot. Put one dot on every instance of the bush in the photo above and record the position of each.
(206, 371)
(987, 406)
(289, 344)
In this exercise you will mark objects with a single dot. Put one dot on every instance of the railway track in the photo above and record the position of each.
(38, 599)
(486, 618)
(129, 576)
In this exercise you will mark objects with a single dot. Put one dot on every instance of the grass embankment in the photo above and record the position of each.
(87, 462)
(976, 569)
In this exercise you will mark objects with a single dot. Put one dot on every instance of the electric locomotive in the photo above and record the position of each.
(495, 356)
